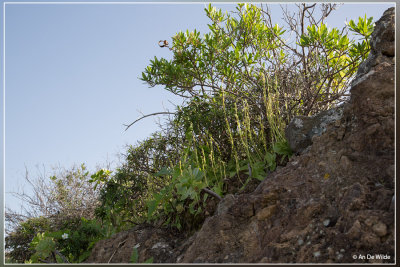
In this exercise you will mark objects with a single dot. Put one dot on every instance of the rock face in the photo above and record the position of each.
(149, 241)
(328, 204)
(302, 129)
(331, 202)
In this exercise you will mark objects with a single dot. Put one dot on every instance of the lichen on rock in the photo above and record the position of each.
(302, 129)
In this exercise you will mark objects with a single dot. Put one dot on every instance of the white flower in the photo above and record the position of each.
(64, 236)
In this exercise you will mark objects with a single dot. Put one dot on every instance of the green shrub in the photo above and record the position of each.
(63, 200)
(17, 242)
(124, 195)
(72, 244)
(243, 83)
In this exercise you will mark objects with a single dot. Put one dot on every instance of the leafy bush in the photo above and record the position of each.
(58, 203)
(124, 195)
(17, 242)
(245, 53)
(63, 195)
(72, 244)
(242, 82)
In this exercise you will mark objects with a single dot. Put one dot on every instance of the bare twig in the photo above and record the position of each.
(115, 251)
(148, 115)
(77, 199)
(212, 193)
(249, 166)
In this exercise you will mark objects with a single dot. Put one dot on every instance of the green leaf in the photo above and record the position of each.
(45, 247)
(232, 173)
(282, 148)
(260, 177)
(150, 260)
(134, 256)
(83, 256)
(189, 192)
(152, 205)
(304, 40)
(164, 171)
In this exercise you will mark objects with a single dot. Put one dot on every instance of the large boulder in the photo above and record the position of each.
(302, 129)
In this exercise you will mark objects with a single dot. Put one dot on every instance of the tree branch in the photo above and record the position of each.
(212, 193)
(145, 116)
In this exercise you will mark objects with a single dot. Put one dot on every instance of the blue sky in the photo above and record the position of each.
(72, 78)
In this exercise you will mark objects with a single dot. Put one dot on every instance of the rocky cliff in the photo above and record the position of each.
(333, 203)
